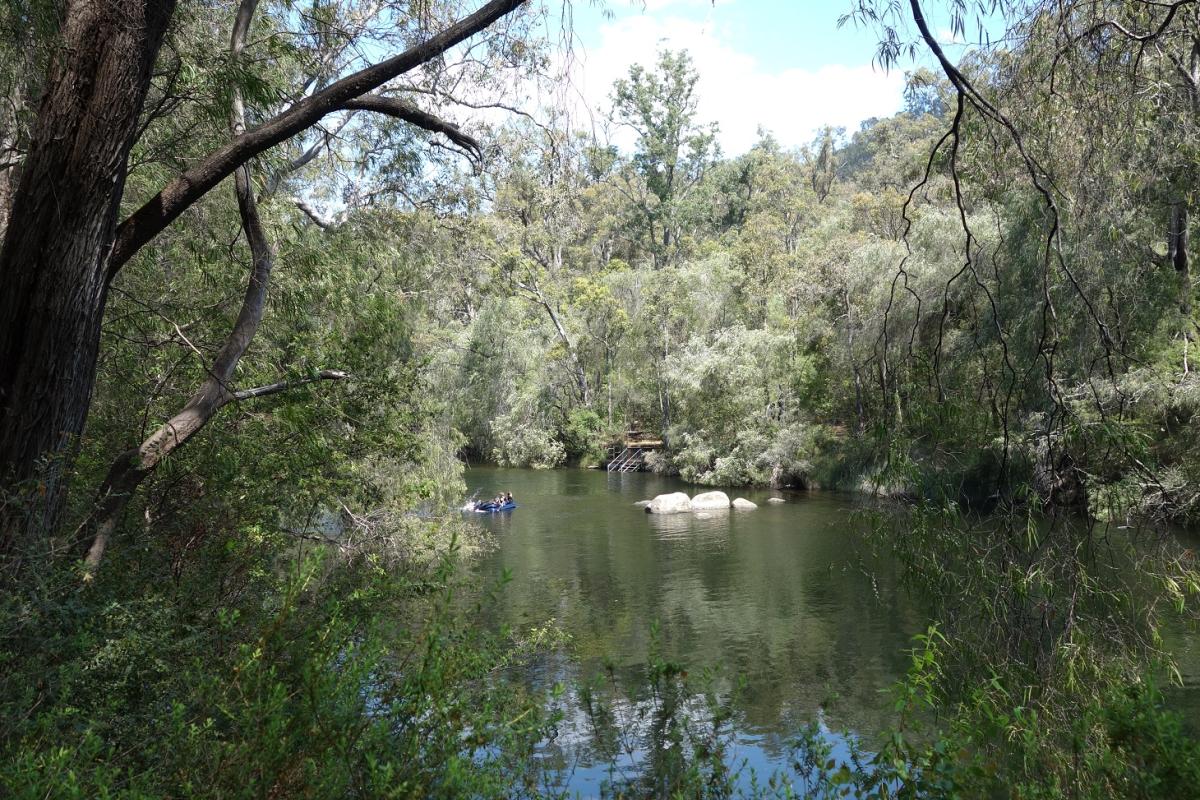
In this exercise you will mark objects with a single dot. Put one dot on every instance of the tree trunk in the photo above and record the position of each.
(22, 89)
(54, 259)
(577, 370)
(859, 410)
(1178, 255)
(664, 392)
(134, 466)
(63, 244)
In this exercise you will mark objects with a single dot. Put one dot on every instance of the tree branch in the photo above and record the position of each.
(313, 214)
(162, 209)
(394, 107)
(133, 466)
(303, 159)
(1141, 38)
(283, 386)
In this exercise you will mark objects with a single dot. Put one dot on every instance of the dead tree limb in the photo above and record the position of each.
(134, 466)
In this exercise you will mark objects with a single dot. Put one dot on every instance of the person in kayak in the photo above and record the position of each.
(495, 504)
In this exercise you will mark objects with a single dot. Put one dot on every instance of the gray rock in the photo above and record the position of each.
(742, 504)
(710, 501)
(641, 504)
(674, 503)
(776, 500)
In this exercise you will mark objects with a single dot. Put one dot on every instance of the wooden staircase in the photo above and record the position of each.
(634, 446)
(630, 459)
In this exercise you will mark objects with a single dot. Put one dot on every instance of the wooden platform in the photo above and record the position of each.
(633, 448)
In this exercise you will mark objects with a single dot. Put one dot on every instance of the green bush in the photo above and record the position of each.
(520, 442)
(583, 436)
(312, 675)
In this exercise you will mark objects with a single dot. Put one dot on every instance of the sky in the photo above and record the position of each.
(783, 65)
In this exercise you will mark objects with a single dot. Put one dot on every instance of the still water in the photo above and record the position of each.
(786, 597)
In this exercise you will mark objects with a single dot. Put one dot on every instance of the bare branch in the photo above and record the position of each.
(314, 215)
(283, 386)
(304, 159)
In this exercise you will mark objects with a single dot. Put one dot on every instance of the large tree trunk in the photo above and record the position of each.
(54, 260)
(63, 246)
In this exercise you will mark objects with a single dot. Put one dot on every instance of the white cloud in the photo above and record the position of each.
(948, 36)
(735, 89)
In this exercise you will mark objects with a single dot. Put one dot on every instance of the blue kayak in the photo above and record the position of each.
(492, 508)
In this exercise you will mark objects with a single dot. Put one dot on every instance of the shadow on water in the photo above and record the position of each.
(785, 597)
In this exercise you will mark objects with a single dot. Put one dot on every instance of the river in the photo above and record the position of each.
(787, 597)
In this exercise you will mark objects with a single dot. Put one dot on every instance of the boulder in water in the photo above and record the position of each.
(674, 503)
(776, 500)
(710, 501)
(641, 504)
(742, 504)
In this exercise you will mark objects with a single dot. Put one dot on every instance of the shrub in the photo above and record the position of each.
(309, 675)
(582, 435)
(520, 442)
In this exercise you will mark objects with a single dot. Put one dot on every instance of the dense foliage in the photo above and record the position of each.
(799, 317)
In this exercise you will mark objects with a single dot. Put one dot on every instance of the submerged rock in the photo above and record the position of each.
(710, 501)
(674, 503)
(776, 500)
(742, 504)
(641, 503)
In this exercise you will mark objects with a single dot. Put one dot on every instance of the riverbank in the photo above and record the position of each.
(978, 479)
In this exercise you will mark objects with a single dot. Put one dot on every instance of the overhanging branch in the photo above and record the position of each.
(162, 209)
(394, 107)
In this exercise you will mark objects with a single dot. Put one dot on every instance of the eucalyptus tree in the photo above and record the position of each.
(109, 83)
(1064, 121)
(1128, 76)
(1063, 173)
(673, 149)
(824, 165)
(539, 194)
(763, 203)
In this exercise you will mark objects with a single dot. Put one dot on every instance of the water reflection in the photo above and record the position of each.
(785, 596)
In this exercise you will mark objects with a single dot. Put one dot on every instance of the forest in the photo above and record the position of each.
(276, 275)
